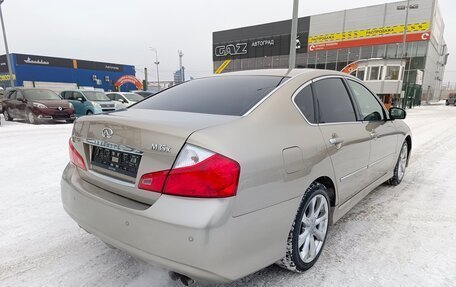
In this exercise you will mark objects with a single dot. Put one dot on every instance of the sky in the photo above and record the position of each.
(123, 31)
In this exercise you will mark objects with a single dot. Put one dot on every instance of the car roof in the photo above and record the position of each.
(283, 72)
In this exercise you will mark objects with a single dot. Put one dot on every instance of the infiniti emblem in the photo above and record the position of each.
(60, 108)
(107, 133)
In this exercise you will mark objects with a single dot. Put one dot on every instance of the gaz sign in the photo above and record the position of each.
(231, 49)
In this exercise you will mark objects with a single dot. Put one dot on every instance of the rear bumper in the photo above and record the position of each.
(196, 237)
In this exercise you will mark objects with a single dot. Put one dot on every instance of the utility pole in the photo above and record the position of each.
(145, 79)
(6, 47)
(181, 71)
(293, 36)
(156, 63)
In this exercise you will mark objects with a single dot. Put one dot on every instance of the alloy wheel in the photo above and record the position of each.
(314, 226)
(5, 115)
(31, 117)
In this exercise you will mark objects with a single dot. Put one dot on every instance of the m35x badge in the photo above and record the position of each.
(161, 147)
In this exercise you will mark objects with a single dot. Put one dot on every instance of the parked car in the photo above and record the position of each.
(451, 100)
(87, 102)
(36, 106)
(125, 99)
(145, 94)
(222, 176)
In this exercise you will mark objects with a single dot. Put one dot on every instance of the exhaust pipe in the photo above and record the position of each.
(187, 281)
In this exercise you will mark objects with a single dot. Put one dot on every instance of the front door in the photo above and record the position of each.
(383, 132)
(347, 140)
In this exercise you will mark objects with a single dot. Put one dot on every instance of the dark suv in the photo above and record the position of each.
(36, 105)
(451, 100)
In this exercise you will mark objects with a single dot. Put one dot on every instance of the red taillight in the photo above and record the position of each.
(197, 173)
(75, 157)
(153, 181)
(216, 176)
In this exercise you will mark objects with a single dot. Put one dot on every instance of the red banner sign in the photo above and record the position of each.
(129, 79)
(425, 36)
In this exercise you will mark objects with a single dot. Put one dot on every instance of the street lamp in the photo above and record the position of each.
(156, 63)
(6, 47)
(293, 36)
(404, 43)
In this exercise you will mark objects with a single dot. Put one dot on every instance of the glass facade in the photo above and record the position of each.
(339, 58)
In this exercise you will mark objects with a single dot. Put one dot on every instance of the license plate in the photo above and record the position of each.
(116, 161)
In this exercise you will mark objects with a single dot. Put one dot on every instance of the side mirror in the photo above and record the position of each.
(121, 100)
(397, 113)
(80, 99)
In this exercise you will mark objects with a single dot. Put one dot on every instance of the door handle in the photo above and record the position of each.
(336, 141)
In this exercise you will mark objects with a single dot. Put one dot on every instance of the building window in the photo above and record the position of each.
(375, 73)
(360, 73)
(392, 73)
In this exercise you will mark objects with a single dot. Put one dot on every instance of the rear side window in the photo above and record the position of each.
(304, 101)
(226, 95)
(333, 101)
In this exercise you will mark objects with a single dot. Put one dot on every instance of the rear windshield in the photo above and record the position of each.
(133, 97)
(229, 95)
(39, 94)
(96, 96)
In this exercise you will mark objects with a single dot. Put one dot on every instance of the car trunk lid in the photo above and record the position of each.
(120, 147)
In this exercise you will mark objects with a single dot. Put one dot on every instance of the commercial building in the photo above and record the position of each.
(63, 73)
(337, 39)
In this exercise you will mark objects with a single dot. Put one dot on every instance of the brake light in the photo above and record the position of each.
(75, 157)
(196, 173)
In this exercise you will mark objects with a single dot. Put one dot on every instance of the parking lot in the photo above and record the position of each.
(397, 236)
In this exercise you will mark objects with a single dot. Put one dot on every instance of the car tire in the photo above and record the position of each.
(89, 113)
(401, 165)
(70, 121)
(7, 115)
(454, 103)
(300, 255)
(31, 118)
(447, 103)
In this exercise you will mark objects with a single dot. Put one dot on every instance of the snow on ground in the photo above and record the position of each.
(397, 236)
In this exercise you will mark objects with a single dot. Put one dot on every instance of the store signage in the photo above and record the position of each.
(419, 77)
(372, 32)
(231, 49)
(6, 78)
(367, 37)
(98, 66)
(265, 47)
(22, 59)
(36, 62)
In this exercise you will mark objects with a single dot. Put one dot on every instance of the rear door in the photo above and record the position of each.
(383, 132)
(347, 140)
(21, 104)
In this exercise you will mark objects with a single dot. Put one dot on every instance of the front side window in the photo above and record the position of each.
(304, 101)
(370, 108)
(19, 95)
(96, 96)
(392, 73)
(333, 101)
(226, 95)
(12, 95)
(112, 97)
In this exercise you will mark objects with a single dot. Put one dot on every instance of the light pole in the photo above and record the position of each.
(181, 71)
(404, 46)
(6, 47)
(156, 63)
(293, 36)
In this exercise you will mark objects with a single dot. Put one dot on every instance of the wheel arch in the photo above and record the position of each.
(408, 140)
(330, 186)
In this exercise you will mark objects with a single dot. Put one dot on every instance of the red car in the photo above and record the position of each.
(36, 105)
